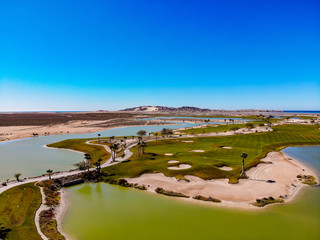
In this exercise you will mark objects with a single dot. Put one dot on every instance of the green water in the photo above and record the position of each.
(102, 211)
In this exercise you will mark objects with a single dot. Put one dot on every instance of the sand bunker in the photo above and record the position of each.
(173, 161)
(197, 151)
(247, 190)
(168, 154)
(225, 168)
(181, 166)
(227, 147)
(186, 141)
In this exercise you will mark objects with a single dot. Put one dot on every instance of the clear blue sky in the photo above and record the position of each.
(113, 54)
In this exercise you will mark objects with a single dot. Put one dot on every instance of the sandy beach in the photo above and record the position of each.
(9, 133)
(60, 211)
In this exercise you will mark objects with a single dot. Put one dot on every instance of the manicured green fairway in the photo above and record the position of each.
(95, 151)
(210, 129)
(18, 206)
(205, 165)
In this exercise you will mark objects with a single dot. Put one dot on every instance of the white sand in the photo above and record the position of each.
(173, 161)
(197, 151)
(225, 168)
(60, 212)
(180, 167)
(168, 154)
(187, 141)
(246, 191)
(227, 147)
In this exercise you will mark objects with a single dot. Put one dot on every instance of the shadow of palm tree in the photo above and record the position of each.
(4, 232)
(262, 180)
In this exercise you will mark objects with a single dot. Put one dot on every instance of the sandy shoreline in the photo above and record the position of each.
(60, 212)
(11, 133)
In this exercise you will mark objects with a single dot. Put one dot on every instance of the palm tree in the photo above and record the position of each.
(98, 165)
(49, 171)
(143, 145)
(114, 147)
(111, 138)
(156, 136)
(139, 145)
(243, 174)
(125, 141)
(17, 175)
(163, 132)
(121, 143)
(99, 137)
(87, 156)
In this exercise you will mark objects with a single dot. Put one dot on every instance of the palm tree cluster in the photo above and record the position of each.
(166, 132)
(141, 146)
(114, 148)
(111, 139)
(87, 157)
(98, 165)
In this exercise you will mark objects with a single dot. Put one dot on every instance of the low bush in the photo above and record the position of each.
(210, 199)
(261, 202)
(170, 193)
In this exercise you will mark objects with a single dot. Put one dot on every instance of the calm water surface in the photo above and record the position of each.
(30, 158)
(102, 211)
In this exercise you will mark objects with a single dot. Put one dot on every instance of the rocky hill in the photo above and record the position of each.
(166, 109)
(187, 109)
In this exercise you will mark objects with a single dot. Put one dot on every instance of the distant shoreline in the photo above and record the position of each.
(213, 110)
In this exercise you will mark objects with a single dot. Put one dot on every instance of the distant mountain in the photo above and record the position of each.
(187, 109)
(165, 109)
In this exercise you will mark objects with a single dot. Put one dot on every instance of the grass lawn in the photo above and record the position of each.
(95, 151)
(214, 128)
(206, 164)
(18, 206)
(106, 142)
